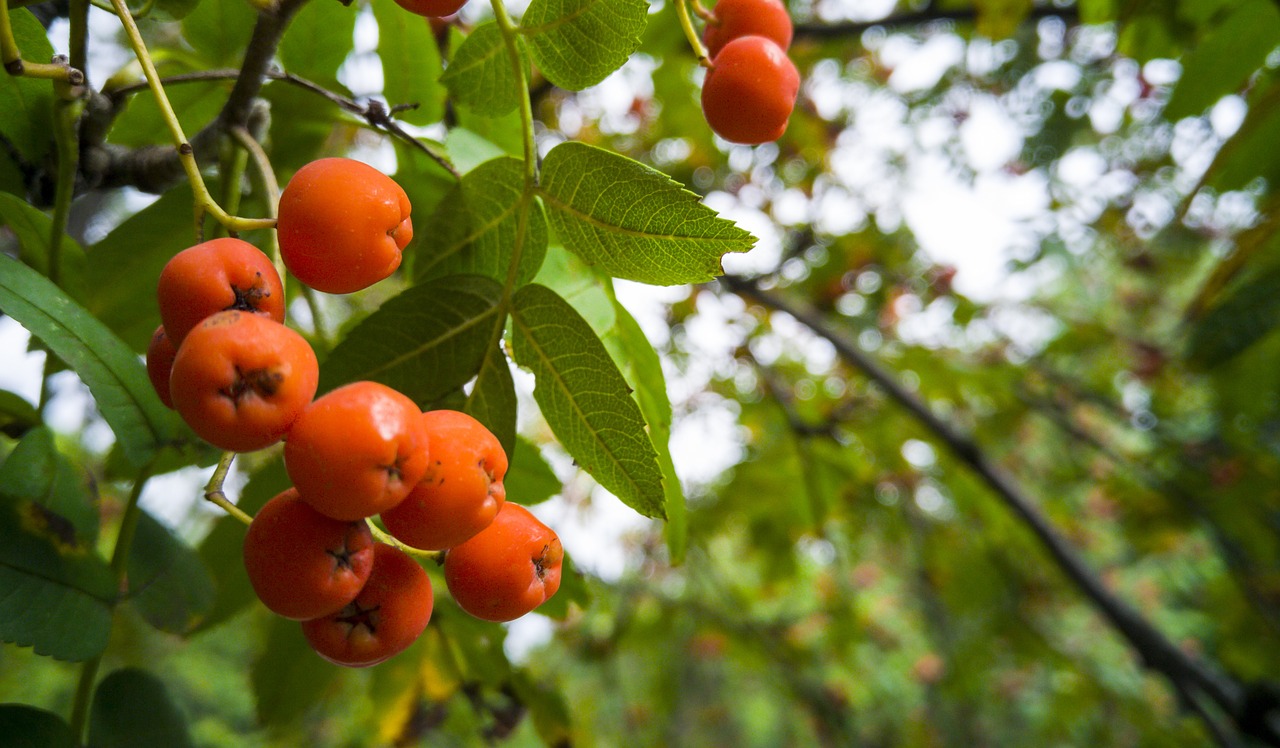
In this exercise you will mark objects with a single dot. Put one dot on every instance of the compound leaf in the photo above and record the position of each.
(110, 369)
(477, 225)
(585, 399)
(480, 75)
(631, 221)
(578, 43)
(168, 582)
(425, 342)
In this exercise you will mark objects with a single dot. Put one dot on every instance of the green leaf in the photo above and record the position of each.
(27, 727)
(530, 480)
(585, 399)
(174, 9)
(126, 266)
(289, 678)
(468, 149)
(480, 75)
(132, 709)
(168, 582)
(196, 104)
(425, 342)
(55, 596)
(1240, 320)
(33, 228)
(578, 43)
(222, 550)
(37, 472)
(410, 64)
(27, 103)
(17, 416)
(320, 37)
(112, 371)
(218, 31)
(631, 221)
(574, 281)
(476, 227)
(492, 400)
(1223, 60)
(641, 366)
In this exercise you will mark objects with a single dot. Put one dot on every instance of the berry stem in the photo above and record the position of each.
(262, 164)
(509, 33)
(204, 201)
(690, 33)
(213, 489)
(382, 536)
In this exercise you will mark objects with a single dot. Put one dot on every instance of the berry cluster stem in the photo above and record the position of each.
(213, 489)
(383, 536)
(204, 201)
(690, 33)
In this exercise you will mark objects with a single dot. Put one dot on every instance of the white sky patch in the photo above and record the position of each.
(972, 226)
(21, 371)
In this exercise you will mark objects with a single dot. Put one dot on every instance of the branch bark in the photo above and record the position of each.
(1156, 651)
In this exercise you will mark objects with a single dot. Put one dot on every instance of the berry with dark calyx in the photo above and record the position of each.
(302, 564)
(506, 570)
(240, 380)
(215, 276)
(389, 614)
(462, 489)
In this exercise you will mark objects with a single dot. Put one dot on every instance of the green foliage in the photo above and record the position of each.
(481, 76)
(58, 593)
(131, 709)
(168, 583)
(1225, 58)
(27, 102)
(33, 229)
(838, 573)
(411, 65)
(479, 224)
(631, 221)
(577, 43)
(112, 372)
(26, 727)
(425, 342)
(585, 399)
(530, 479)
(126, 266)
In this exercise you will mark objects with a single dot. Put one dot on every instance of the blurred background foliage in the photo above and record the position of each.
(1053, 224)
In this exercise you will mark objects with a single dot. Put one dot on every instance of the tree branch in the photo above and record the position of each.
(920, 18)
(1155, 650)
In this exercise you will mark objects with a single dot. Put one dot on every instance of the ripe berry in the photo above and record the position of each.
(241, 380)
(160, 354)
(508, 569)
(303, 564)
(357, 451)
(391, 611)
(750, 90)
(215, 276)
(735, 18)
(342, 225)
(432, 8)
(462, 489)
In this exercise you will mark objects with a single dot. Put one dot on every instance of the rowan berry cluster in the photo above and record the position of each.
(751, 88)
(242, 380)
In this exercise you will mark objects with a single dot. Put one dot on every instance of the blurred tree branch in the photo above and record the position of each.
(1188, 676)
(924, 17)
